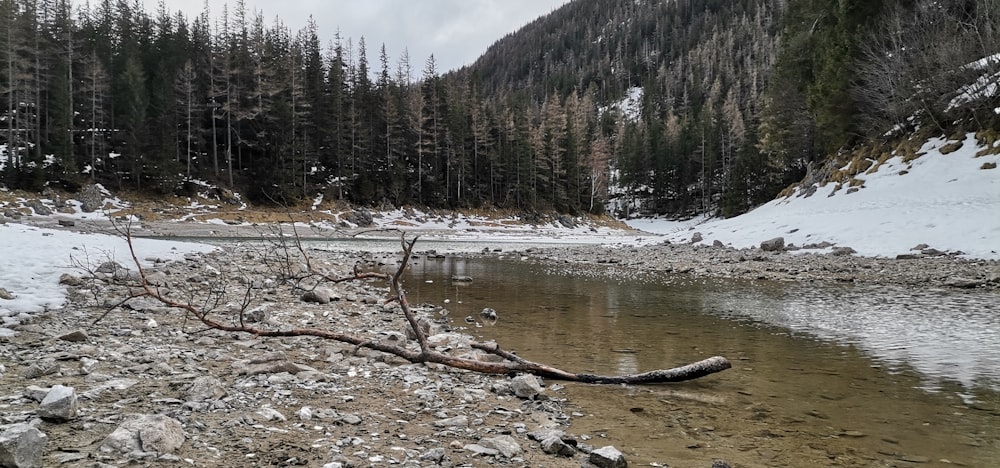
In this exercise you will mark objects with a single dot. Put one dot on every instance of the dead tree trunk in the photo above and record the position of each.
(426, 354)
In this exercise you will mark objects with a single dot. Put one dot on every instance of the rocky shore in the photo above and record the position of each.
(113, 379)
(925, 268)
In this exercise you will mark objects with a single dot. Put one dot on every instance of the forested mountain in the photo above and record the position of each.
(735, 100)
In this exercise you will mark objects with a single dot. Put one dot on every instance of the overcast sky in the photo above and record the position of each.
(457, 32)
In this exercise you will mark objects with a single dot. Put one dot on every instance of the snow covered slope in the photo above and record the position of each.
(950, 202)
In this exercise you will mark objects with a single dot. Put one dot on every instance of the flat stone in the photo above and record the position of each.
(505, 444)
(146, 433)
(477, 449)
(75, 336)
(434, 455)
(457, 421)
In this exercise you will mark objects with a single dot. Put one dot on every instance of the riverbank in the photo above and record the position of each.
(240, 399)
(923, 269)
(215, 398)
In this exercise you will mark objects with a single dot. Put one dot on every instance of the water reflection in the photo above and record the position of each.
(828, 371)
(944, 335)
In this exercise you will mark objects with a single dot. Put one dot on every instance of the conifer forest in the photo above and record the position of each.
(732, 100)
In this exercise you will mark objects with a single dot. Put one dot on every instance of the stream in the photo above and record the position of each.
(823, 375)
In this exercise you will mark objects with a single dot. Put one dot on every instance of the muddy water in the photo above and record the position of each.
(822, 376)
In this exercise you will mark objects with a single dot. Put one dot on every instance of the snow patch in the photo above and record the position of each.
(943, 200)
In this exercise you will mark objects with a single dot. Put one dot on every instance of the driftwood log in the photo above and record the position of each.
(512, 363)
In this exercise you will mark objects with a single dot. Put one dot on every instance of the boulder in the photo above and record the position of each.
(59, 405)
(773, 245)
(91, 199)
(22, 446)
(38, 207)
(556, 446)
(145, 433)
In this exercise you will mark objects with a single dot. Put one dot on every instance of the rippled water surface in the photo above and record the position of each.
(862, 376)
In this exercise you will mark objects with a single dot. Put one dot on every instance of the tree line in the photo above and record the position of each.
(111, 94)
(741, 98)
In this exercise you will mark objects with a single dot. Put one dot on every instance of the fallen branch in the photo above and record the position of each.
(426, 354)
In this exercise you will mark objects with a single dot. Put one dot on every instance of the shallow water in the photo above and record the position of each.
(834, 375)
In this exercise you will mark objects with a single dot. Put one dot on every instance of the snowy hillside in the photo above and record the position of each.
(949, 202)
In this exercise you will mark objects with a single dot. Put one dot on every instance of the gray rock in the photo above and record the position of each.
(963, 283)
(6, 295)
(317, 296)
(66, 222)
(274, 367)
(271, 414)
(434, 455)
(457, 421)
(608, 457)
(206, 388)
(697, 237)
(425, 326)
(91, 199)
(70, 280)
(145, 433)
(22, 446)
(477, 449)
(257, 315)
(395, 338)
(75, 336)
(720, 464)
(842, 251)
(40, 368)
(505, 444)
(773, 245)
(555, 446)
(59, 405)
(351, 419)
(109, 267)
(156, 278)
(360, 218)
(526, 386)
(38, 207)
(36, 393)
